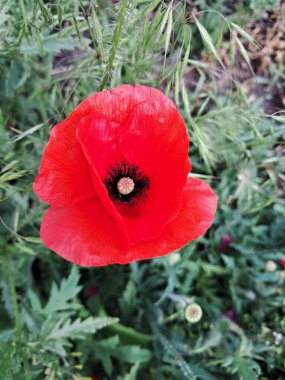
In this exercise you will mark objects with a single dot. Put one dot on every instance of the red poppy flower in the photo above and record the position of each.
(116, 174)
(282, 262)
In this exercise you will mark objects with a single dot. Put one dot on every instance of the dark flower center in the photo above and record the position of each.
(126, 184)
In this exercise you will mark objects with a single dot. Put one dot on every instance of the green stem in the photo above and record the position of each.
(171, 317)
(130, 335)
(115, 42)
(127, 334)
(27, 368)
(13, 292)
(14, 298)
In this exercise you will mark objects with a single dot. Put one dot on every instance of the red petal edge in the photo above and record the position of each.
(64, 177)
(87, 235)
(155, 140)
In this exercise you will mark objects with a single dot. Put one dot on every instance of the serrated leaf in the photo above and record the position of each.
(104, 350)
(78, 329)
(247, 369)
(60, 296)
(35, 301)
(108, 348)
(133, 372)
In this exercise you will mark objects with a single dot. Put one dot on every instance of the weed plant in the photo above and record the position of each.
(59, 321)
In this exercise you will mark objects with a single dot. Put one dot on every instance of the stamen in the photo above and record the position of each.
(125, 185)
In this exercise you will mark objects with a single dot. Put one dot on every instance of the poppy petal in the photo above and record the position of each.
(98, 139)
(87, 235)
(64, 175)
(155, 140)
(199, 204)
(118, 103)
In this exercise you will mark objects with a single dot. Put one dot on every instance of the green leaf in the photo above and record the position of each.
(78, 329)
(17, 76)
(6, 336)
(107, 348)
(60, 296)
(3, 13)
(247, 369)
(104, 350)
(50, 44)
(133, 372)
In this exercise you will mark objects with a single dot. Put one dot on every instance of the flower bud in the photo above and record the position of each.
(270, 266)
(193, 313)
(173, 258)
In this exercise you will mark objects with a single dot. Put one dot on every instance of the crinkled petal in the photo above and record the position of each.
(118, 103)
(98, 138)
(64, 177)
(199, 204)
(155, 140)
(87, 235)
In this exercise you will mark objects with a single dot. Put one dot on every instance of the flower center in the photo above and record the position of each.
(125, 185)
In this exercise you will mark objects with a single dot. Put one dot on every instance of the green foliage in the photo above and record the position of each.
(127, 322)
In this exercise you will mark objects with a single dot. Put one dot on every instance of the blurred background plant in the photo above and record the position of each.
(222, 62)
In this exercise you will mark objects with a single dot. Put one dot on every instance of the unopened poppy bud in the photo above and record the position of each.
(193, 313)
(125, 185)
(270, 266)
(173, 258)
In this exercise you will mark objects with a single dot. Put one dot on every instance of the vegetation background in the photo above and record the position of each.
(222, 62)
